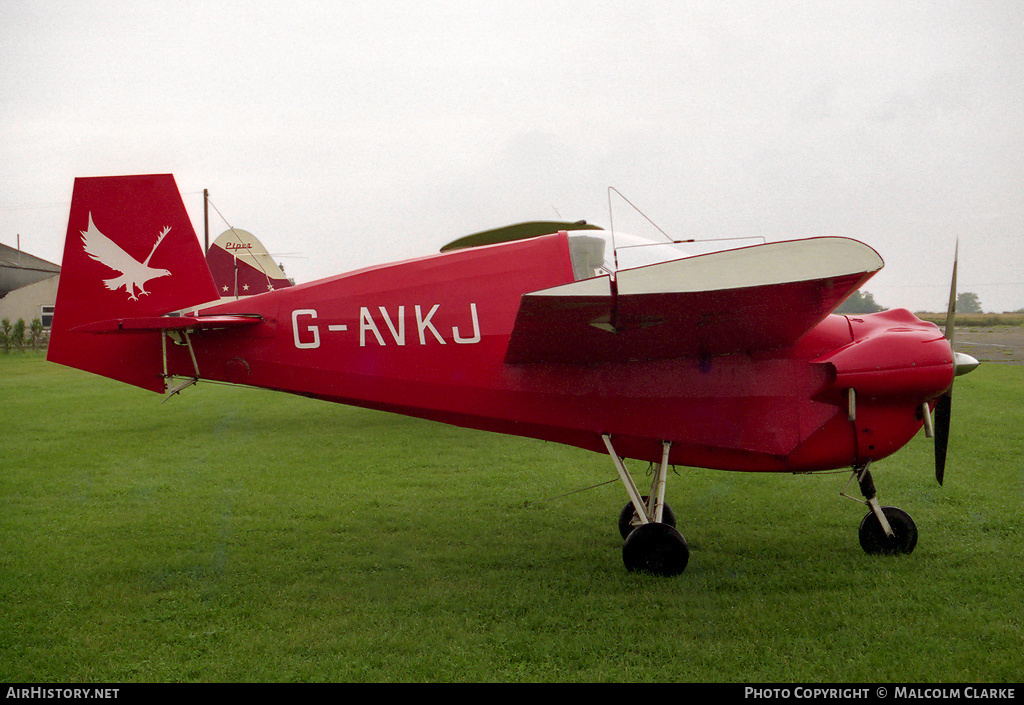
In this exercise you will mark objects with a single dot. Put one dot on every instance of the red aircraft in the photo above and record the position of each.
(731, 360)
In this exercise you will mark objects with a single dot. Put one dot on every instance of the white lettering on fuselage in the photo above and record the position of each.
(381, 328)
(315, 330)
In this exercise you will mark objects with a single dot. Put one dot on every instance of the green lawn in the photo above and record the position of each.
(242, 535)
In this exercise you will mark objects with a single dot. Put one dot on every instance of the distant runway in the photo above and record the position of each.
(992, 343)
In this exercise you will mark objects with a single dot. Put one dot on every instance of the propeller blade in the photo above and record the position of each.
(944, 406)
(943, 410)
(951, 309)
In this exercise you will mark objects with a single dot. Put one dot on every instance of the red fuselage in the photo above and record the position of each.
(428, 338)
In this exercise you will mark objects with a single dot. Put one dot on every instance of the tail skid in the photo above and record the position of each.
(136, 228)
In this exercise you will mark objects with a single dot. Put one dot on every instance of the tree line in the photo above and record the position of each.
(967, 302)
(19, 336)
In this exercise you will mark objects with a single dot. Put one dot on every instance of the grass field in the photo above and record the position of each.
(242, 535)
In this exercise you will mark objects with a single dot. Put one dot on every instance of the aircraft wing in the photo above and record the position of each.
(519, 231)
(741, 300)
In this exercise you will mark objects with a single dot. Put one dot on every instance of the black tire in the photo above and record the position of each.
(874, 541)
(657, 549)
(628, 519)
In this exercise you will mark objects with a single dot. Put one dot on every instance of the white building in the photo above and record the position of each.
(28, 286)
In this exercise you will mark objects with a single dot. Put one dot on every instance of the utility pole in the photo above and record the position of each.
(206, 221)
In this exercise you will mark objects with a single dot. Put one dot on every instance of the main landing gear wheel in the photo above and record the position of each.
(874, 540)
(655, 548)
(629, 520)
(652, 543)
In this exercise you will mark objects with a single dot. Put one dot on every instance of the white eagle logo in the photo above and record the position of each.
(134, 274)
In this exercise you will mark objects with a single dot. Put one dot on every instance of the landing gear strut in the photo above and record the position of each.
(653, 545)
(884, 530)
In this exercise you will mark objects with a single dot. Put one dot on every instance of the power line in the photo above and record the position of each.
(33, 206)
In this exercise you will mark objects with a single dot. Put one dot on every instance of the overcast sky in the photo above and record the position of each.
(354, 133)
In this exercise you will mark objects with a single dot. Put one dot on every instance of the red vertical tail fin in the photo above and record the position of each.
(130, 252)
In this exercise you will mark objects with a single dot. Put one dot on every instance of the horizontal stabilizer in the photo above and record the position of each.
(155, 323)
(742, 300)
